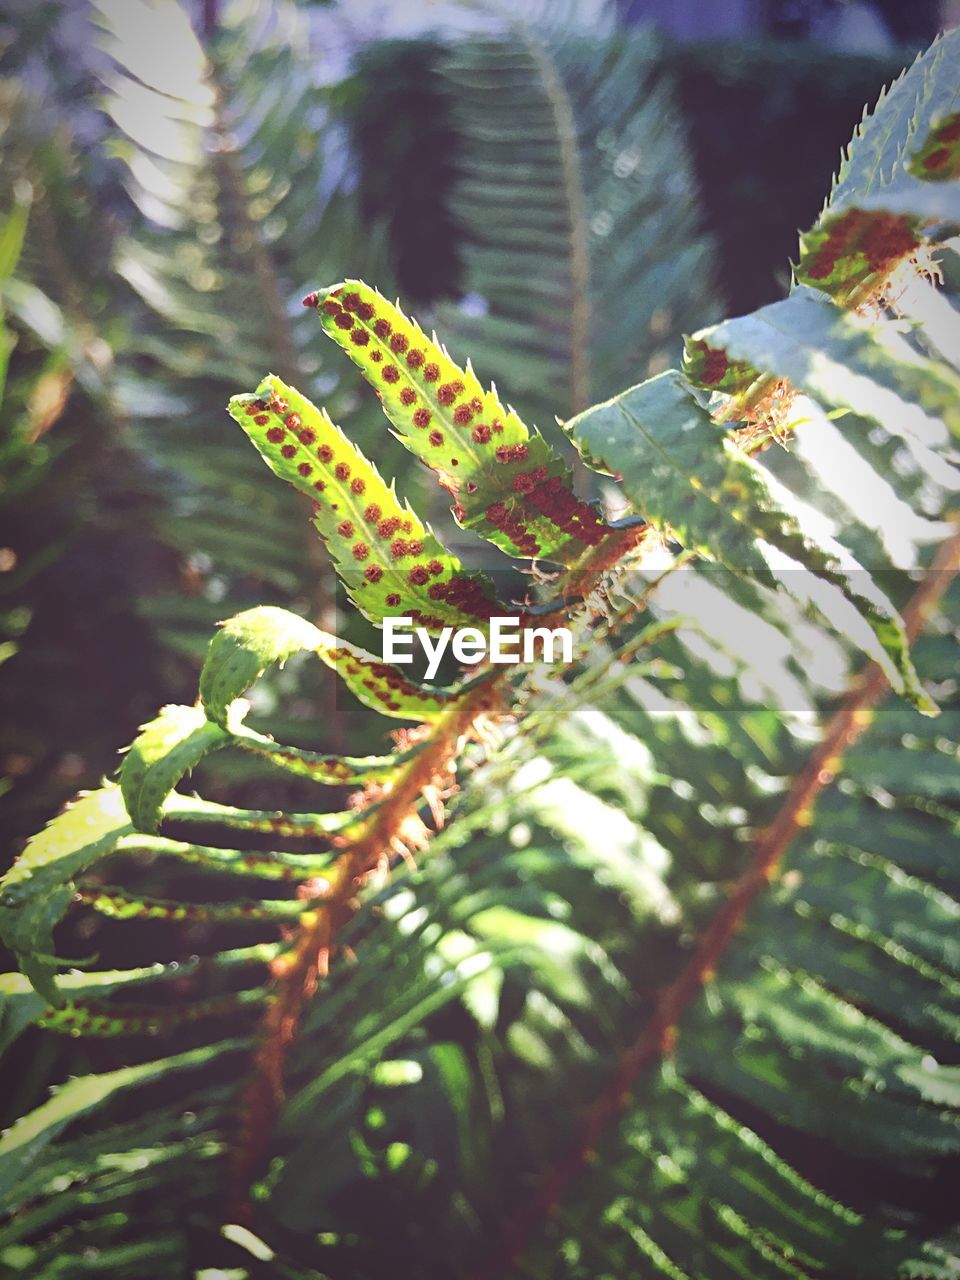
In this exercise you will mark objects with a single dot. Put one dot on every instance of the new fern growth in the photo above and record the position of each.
(600, 868)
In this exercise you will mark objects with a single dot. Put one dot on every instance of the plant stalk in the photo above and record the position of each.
(659, 1036)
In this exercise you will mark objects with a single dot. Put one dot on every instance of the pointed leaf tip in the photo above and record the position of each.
(389, 561)
(507, 484)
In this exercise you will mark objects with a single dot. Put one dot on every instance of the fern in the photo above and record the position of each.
(655, 966)
(572, 233)
(220, 237)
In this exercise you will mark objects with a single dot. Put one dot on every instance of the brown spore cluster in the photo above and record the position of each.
(882, 238)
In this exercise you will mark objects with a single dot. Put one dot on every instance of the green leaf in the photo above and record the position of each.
(885, 146)
(694, 1165)
(38, 888)
(21, 1145)
(265, 865)
(507, 482)
(158, 758)
(390, 563)
(937, 159)
(108, 1021)
(890, 906)
(896, 179)
(688, 478)
(21, 1005)
(873, 972)
(611, 267)
(332, 770)
(121, 904)
(13, 228)
(247, 644)
(244, 647)
(275, 822)
(182, 736)
(54, 1180)
(807, 1089)
(843, 362)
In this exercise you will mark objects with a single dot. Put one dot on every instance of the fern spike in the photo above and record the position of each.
(389, 561)
(506, 481)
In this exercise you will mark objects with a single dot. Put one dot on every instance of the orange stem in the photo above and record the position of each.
(658, 1037)
(297, 971)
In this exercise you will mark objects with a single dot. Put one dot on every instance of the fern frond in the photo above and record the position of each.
(508, 483)
(584, 266)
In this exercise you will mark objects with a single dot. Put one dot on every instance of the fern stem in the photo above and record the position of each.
(659, 1036)
(260, 261)
(297, 972)
(560, 106)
